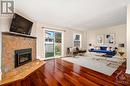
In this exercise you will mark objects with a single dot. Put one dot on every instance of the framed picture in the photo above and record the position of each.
(100, 39)
(110, 39)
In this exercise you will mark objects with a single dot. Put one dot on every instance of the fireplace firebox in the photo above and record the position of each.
(23, 56)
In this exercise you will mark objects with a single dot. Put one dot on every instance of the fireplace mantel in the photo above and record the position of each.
(18, 34)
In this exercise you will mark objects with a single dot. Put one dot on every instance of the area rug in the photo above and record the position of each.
(103, 65)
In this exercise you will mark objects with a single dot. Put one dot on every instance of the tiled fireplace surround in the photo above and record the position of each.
(12, 42)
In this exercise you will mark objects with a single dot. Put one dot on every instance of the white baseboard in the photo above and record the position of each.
(41, 59)
(128, 71)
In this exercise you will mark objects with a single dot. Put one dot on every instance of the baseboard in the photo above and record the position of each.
(128, 71)
(41, 59)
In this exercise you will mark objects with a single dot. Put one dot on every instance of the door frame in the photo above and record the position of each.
(62, 41)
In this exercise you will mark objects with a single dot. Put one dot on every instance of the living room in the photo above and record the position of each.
(52, 35)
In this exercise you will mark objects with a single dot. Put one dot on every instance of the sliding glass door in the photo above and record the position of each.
(53, 44)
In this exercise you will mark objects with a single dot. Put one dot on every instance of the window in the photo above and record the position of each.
(77, 40)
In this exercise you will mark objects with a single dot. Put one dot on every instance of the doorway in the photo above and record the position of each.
(53, 44)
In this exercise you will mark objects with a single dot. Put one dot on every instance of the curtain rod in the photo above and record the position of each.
(53, 28)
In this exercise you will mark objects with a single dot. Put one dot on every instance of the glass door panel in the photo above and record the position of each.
(49, 43)
(58, 43)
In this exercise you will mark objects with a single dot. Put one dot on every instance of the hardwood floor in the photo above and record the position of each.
(62, 73)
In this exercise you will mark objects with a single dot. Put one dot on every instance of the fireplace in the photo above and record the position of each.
(23, 56)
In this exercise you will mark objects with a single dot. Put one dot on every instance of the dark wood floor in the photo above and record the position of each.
(62, 73)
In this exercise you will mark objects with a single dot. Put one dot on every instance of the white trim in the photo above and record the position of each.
(0, 75)
(0, 56)
(128, 71)
(41, 58)
(53, 29)
(62, 44)
(51, 58)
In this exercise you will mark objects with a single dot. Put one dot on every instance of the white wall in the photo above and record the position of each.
(128, 39)
(68, 39)
(119, 31)
(4, 25)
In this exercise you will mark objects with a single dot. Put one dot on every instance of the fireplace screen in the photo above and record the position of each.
(23, 56)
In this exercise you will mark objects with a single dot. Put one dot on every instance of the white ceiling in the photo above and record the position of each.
(76, 14)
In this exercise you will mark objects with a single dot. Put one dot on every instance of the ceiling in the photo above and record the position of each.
(75, 14)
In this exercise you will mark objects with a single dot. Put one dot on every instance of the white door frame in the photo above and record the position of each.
(62, 41)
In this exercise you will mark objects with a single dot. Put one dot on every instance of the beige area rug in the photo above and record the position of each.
(99, 64)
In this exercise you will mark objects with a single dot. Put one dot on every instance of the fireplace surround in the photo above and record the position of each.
(12, 42)
(23, 56)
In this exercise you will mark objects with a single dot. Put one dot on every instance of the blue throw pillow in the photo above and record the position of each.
(103, 48)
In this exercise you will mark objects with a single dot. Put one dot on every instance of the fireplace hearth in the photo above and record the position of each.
(23, 56)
